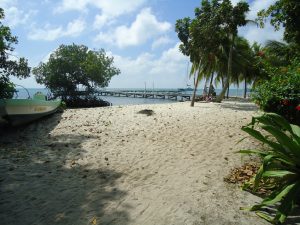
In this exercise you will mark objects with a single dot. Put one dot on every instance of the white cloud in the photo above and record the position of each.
(109, 10)
(161, 41)
(68, 5)
(75, 28)
(254, 33)
(7, 3)
(100, 21)
(112, 7)
(48, 33)
(260, 35)
(145, 27)
(234, 2)
(168, 70)
(13, 15)
(258, 5)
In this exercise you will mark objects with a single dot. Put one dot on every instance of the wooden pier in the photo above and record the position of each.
(171, 95)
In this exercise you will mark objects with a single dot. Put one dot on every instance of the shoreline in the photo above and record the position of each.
(117, 166)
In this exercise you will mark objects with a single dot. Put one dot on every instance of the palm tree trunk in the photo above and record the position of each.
(227, 96)
(222, 80)
(205, 87)
(245, 88)
(229, 66)
(210, 84)
(196, 81)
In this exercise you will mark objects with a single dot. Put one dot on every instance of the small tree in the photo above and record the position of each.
(9, 66)
(74, 67)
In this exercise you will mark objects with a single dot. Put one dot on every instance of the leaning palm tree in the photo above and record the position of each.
(280, 53)
(202, 68)
(241, 54)
(233, 18)
(242, 62)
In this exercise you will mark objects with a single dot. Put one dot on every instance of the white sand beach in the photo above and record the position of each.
(115, 166)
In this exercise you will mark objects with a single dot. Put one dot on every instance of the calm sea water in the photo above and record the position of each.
(22, 93)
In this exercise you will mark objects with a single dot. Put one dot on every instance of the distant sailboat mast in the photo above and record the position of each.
(187, 77)
(187, 74)
(187, 86)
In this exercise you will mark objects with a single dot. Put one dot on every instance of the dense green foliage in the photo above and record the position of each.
(281, 93)
(281, 164)
(9, 66)
(281, 54)
(74, 68)
(284, 13)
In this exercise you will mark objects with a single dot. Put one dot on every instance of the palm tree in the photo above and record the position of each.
(233, 17)
(280, 53)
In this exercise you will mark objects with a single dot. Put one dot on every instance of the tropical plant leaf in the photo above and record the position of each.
(288, 203)
(264, 216)
(296, 133)
(284, 140)
(295, 130)
(281, 164)
(283, 123)
(261, 170)
(274, 197)
(277, 173)
(254, 133)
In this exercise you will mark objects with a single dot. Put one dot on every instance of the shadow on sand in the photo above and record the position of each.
(41, 183)
(292, 219)
(239, 106)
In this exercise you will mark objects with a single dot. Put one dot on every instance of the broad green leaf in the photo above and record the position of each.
(261, 170)
(296, 133)
(277, 173)
(286, 205)
(281, 161)
(271, 200)
(284, 140)
(264, 119)
(280, 120)
(256, 134)
(296, 130)
(264, 216)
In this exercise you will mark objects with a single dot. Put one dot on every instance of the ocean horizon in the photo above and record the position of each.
(23, 93)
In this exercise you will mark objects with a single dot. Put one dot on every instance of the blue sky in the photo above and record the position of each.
(139, 34)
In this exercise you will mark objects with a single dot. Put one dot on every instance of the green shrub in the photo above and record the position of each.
(281, 93)
(281, 163)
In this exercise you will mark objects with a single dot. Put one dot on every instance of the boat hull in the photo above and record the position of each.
(22, 111)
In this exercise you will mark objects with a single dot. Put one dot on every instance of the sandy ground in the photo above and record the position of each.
(115, 166)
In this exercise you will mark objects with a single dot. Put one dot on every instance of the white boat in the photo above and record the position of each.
(22, 111)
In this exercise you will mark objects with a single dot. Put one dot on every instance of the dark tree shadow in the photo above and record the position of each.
(292, 219)
(36, 186)
(239, 106)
